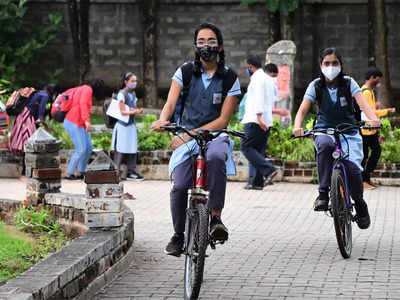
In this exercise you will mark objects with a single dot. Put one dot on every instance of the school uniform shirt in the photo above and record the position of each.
(355, 144)
(260, 98)
(81, 105)
(184, 152)
(124, 136)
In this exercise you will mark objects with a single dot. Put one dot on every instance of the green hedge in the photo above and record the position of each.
(280, 143)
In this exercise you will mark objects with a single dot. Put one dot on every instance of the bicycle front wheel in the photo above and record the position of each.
(341, 213)
(197, 243)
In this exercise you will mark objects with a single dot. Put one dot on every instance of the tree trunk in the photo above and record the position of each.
(74, 27)
(150, 97)
(385, 91)
(316, 70)
(84, 39)
(274, 30)
(287, 26)
(371, 33)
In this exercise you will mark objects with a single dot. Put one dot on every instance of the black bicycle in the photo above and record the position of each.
(197, 235)
(341, 204)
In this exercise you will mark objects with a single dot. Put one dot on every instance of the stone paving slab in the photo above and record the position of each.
(278, 248)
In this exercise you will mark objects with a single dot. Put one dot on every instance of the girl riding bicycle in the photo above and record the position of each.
(205, 107)
(334, 93)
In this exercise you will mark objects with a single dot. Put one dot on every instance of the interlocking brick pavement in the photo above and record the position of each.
(278, 248)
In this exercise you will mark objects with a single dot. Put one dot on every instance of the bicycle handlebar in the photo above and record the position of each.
(338, 130)
(202, 134)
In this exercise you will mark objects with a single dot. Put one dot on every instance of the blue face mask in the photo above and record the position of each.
(248, 72)
(132, 85)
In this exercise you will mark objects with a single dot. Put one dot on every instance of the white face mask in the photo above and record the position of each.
(331, 72)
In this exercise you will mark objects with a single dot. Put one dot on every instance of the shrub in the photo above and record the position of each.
(149, 139)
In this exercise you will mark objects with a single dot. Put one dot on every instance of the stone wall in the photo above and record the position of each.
(116, 36)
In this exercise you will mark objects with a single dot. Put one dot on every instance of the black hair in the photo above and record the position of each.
(51, 89)
(373, 72)
(271, 68)
(254, 60)
(221, 62)
(97, 86)
(126, 77)
(334, 51)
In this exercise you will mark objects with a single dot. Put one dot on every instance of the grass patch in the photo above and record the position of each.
(43, 236)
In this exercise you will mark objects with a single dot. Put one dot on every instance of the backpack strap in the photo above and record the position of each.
(126, 97)
(228, 81)
(187, 73)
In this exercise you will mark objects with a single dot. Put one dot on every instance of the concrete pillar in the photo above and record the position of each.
(42, 162)
(283, 54)
(103, 193)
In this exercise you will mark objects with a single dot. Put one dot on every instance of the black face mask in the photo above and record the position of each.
(207, 53)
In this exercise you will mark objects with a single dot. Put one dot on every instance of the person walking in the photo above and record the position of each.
(371, 137)
(77, 124)
(206, 107)
(124, 136)
(333, 92)
(257, 122)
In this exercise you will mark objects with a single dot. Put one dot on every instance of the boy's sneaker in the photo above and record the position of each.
(252, 187)
(322, 202)
(134, 176)
(363, 222)
(218, 231)
(175, 245)
(270, 177)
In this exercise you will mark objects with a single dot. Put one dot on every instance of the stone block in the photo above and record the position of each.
(108, 190)
(34, 198)
(43, 148)
(102, 177)
(48, 173)
(102, 162)
(10, 170)
(104, 220)
(43, 186)
(104, 205)
(42, 161)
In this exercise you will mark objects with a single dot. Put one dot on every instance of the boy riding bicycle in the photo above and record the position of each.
(334, 93)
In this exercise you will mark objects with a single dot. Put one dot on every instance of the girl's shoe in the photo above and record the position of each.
(134, 176)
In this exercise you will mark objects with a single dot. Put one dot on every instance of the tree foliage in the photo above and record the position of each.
(284, 7)
(20, 44)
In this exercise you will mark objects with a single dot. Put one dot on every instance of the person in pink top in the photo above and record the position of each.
(77, 124)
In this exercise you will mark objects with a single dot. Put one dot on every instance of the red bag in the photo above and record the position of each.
(61, 106)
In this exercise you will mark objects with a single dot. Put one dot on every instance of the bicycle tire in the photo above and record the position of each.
(196, 252)
(342, 217)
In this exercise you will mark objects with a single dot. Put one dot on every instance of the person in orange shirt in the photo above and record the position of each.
(371, 137)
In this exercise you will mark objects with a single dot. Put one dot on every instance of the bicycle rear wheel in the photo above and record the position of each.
(197, 243)
(341, 213)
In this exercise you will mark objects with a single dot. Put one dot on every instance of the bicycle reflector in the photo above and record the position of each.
(335, 154)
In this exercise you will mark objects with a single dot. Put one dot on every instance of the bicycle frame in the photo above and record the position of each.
(338, 163)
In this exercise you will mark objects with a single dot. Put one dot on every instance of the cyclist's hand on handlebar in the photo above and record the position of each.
(298, 131)
(156, 125)
(375, 123)
(179, 140)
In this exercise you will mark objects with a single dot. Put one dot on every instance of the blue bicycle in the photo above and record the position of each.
(341, 204)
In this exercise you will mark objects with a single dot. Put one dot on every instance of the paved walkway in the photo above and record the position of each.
(278, 248)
